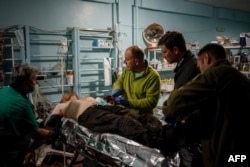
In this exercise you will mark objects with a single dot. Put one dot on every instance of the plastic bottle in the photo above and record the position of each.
(70, 77)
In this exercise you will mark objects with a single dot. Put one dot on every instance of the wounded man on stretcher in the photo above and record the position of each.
(113, 134)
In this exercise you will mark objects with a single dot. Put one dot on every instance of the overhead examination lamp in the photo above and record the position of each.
(152, 34)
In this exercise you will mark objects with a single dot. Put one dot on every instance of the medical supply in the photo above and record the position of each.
(70, 77)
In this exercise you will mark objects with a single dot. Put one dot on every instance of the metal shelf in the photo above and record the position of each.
(237, 47)
(48, 50)
(92, 47)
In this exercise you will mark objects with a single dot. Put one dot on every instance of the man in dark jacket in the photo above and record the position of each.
(174, 50)
(173, 47)
(222, 95)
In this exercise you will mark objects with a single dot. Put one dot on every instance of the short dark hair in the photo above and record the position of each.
(173, 39)
(22, 73)
(215, 50)
(136, 52)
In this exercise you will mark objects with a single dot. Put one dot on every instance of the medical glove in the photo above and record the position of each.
(116, 93)
(170, 121)
(121, 101)
(56, 133)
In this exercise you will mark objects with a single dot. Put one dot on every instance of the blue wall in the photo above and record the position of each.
(196, 21)
(54, 14)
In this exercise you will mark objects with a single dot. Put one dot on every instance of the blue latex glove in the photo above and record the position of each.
(121, 101)
(116, 93)
(170, 121)
(56, 133)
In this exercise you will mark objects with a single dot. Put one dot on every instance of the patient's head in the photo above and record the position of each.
(69, 96)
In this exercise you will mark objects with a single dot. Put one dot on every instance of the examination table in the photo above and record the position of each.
(111, 149)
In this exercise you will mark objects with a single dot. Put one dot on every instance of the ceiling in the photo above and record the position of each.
(242, 5)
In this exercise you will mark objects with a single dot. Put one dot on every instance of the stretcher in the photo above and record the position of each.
(111, 149)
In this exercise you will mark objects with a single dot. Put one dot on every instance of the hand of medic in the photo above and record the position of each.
(29, 159)
(121, 101)
(116, 93)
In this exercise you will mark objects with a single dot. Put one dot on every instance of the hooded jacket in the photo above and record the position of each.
(222, 94)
